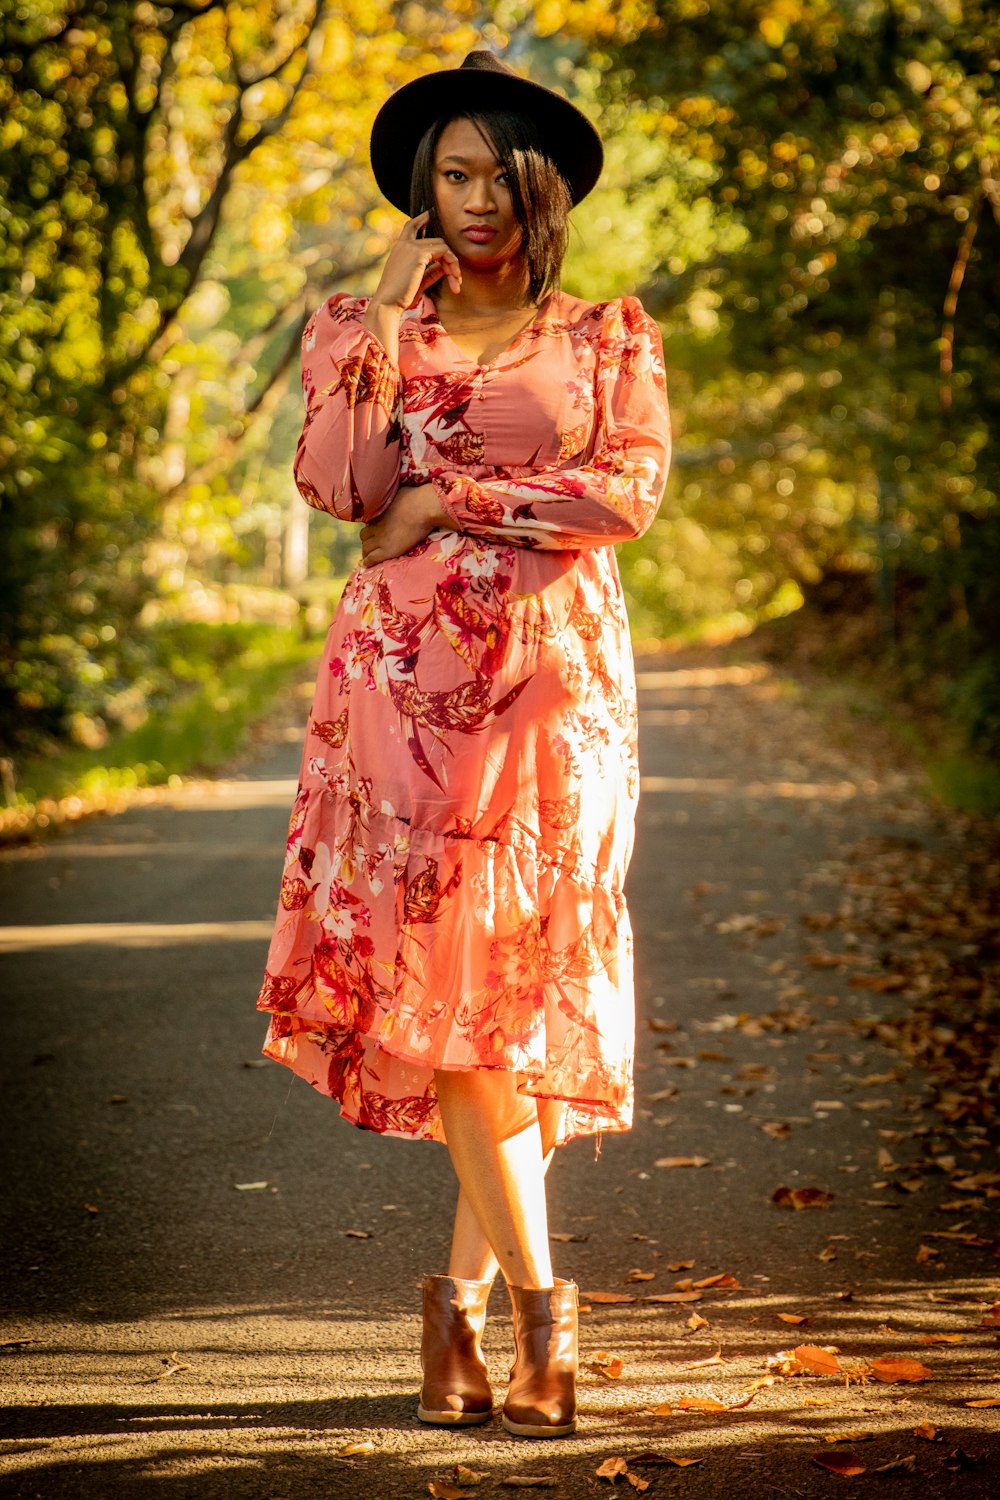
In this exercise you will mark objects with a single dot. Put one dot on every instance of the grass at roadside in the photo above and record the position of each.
(862, 688)
(203, 725)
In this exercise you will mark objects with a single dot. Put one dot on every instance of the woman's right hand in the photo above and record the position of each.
(413, 265)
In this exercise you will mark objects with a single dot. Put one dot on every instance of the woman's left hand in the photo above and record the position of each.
(413, 513)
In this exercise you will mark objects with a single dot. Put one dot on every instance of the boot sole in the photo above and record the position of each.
(527, 1429)
(452, 1418)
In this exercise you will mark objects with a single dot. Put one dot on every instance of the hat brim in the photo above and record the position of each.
(401, 123)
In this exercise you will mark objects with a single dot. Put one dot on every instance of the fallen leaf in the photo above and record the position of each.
(569, 1239)
(637, 1482)
(991, 1319)
(778, 1130)
(352, 1450)
(611, 1468)
(794, 1318)
(173, 1364)
(899, 1369)
(607, 1364)
(671, 1297)
(358, 1234)
(984, 1401)
(846, 1464)
(696, 1321)
(665, 1409)
(607, 1297)
(830, 1253)
(639, 1276)
(724, 1278)
(807, 1197)
(682, 1161)
(896, 1464)
(713, 1359)
(685, 1265)
(441, 1490)
(858, 1435)
(929, 1431)
(941, 1338)
(959, 1459)
(249, 1187)
(819, 1361)
(468, 1476)
(700, 1403)
(926, 1253)
(682, 1463)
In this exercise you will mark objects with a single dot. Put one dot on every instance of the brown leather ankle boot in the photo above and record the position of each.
(456, 1389)
(541, 1401)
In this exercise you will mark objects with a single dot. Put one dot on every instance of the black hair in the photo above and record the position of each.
(539, 193)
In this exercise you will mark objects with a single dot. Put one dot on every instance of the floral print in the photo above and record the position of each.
(452, 893)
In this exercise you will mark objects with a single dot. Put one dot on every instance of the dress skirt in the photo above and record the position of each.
(452, 896)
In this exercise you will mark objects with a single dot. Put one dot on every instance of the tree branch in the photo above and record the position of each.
(955, 280)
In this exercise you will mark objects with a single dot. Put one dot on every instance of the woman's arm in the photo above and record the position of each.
(347, 460)
(612, 498)
(348, 456)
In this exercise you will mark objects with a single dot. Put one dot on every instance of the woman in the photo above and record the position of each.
(452, 960)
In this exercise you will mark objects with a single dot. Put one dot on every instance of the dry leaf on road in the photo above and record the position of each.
(899, 1369)
(805, 1197)
(818, 1361)
(846, 1464)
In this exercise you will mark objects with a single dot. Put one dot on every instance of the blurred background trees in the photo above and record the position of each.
(805, 194)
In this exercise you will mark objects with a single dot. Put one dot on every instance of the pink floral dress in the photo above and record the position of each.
(452, 892)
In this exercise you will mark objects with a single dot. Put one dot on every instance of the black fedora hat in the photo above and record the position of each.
(482, 82)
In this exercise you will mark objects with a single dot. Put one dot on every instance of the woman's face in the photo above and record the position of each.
(474, 206)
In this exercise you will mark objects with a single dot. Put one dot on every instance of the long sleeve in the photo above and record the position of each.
(615, 495)
(347, 460)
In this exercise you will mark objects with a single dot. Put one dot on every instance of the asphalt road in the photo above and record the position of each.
(190, 1309)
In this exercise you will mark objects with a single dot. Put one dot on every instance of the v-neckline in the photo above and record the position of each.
(540, 313)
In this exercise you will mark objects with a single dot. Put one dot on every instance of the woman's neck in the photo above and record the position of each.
(486, 294)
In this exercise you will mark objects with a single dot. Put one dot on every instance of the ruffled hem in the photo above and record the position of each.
(400, 951)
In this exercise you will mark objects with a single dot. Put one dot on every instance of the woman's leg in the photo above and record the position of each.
(471, 1255)
(500, 1156)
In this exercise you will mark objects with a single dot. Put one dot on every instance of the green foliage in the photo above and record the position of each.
(206, 685)
(831, 372)
(806, 194)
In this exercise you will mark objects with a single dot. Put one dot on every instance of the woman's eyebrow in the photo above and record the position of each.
(464, 160)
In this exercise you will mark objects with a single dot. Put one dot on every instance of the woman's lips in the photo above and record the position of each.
(479, 233)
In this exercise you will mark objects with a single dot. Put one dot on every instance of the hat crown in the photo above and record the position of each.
(482, 61)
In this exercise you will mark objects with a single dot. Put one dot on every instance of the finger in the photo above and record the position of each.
(413, 226)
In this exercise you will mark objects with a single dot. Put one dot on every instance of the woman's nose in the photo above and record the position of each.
(480, 198)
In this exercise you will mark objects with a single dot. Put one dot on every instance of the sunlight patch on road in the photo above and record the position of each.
(702, 677)
(130, 935)
(729, 786)
(279, 792)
